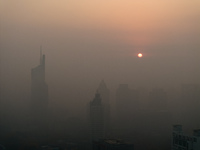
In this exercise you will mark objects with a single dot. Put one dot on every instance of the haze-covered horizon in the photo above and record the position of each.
(85, 42)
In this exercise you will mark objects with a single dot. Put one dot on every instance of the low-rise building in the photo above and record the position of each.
(112, 144)
(181, 141)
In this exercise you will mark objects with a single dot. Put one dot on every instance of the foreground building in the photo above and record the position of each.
(181, 141)
(112, 144)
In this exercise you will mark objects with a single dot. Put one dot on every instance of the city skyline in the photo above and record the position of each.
(141, 58)
(130, 113)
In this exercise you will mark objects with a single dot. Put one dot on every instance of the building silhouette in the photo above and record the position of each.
(190, 95)
(112, 144)
(39, 95)
(96, 118)
(190, 105)
(157, 100)
(157, 116)
(127, 102)
(105, 99)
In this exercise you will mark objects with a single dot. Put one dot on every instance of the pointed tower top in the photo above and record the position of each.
(102, 85)
(40, 54)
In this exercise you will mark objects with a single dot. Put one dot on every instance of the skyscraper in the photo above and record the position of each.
(104, 92)
(127, 102)
(96, 118)
(158, 100)
(190, 103)
(105, 98)
(190, 96)
(39, 93)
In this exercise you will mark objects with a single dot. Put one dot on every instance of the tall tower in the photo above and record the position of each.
(105, 98)
(127, 102)
(190, 103)
(104, 92)
(96, 118)
(39, 93)
(158, 100)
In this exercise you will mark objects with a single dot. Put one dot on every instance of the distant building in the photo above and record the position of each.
(181, 141)
(104, 92)
(190, 105)
(158, 100)
(96, 118)
(127, 102)
(39, 94)
(190, 96)
(157, 116)
(112, 144)
(105, 99)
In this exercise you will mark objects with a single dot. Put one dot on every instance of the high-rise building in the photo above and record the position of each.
(104, 92)
(127, 102)
(190, 97)
(158, 100)
(96, 118)
(105, 99)
(39, 94)
(126, 110)
(157, 116)
(190, 105)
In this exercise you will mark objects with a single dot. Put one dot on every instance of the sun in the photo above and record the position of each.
(139, 55)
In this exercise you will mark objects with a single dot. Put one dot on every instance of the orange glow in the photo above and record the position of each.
(139, 23)
(140, 55)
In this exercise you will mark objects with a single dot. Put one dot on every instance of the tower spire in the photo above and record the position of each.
(40, 54)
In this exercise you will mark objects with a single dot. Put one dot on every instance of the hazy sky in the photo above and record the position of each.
(86, 41)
